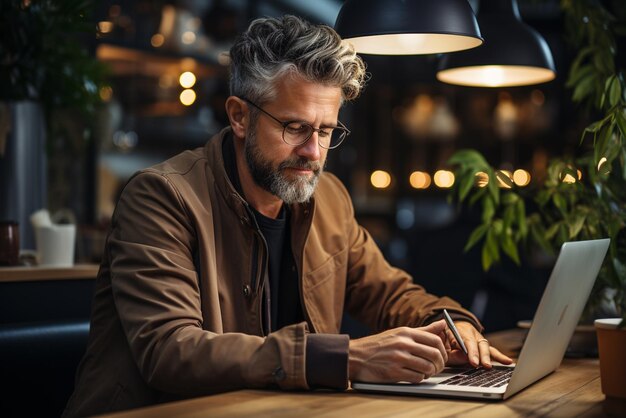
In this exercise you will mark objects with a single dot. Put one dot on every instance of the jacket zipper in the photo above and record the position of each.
(260, 287)
(298, 261)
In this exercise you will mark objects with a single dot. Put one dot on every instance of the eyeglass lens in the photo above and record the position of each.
(298, 133)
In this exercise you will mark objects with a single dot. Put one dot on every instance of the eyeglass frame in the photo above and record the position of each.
(284, 124)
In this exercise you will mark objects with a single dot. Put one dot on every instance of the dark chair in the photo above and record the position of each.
(38, 361)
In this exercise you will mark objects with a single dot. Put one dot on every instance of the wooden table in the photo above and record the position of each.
(26, 274)
(571, 391)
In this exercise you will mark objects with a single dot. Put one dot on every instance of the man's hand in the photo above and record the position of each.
(407, 354)
(479, 352)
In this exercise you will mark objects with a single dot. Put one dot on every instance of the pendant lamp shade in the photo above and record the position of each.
(406, 27)
(513, 54)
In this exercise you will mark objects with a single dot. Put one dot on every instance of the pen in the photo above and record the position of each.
(452, 327)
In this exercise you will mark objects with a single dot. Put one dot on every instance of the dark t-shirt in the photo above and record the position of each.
(284, 293)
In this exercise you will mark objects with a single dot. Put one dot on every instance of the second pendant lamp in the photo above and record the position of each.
(513, 54)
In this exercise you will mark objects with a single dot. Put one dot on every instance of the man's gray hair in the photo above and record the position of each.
(275, 47)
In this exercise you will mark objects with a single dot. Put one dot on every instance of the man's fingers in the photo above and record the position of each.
(427, 359)
(499, 357)
(422, 363)
(436, 327)
(484, 352)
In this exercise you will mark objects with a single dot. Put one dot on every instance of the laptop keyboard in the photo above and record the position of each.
(494, 377)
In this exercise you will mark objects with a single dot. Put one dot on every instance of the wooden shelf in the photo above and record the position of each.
(25, 274)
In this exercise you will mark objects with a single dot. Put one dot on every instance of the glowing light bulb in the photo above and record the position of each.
(482, 179)
(157, 40)
(187, 79)
(444, 179)
(420, 180)
(380, 179)
(521, 177)
(187, 97)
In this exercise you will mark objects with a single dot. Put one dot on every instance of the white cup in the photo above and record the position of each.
(55, 245)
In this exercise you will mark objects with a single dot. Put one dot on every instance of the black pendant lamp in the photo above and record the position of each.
(514, 54)
(406, 27)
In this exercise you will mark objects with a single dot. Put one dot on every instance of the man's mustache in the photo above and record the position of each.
(301, 163)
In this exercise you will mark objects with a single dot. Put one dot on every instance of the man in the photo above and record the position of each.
(230, 266)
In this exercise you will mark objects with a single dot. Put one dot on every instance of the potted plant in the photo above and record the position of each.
(44, 70)
(581, 197)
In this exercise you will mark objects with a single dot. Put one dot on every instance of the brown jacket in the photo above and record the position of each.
(177, 308)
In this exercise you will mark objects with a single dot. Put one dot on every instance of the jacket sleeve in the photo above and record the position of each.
(157, 296)
(383, 296)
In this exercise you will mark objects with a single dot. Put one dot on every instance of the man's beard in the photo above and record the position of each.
(297, 190)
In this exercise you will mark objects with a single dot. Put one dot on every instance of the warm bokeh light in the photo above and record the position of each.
(501, 183)
(106, 93)
(187, 97)
(481, 178)
(521, 177)
(444, 179)
(601, 162)
(569, 179)
(537, 97)
(187, 79)
(157, 40)
(188, 37)
(105, 26)
(420, 180)
(380, 179)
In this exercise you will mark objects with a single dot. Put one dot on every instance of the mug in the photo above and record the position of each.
(9, 243)
(55, 245)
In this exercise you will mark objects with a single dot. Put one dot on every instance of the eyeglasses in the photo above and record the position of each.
(296, 132)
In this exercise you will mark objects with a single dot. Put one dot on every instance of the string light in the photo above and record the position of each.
(420, 180)
(444, 179)
(521, 177)
(380, 179)
(187, 79)
(187, 97)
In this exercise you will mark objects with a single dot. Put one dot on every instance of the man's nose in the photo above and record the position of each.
(310, 149)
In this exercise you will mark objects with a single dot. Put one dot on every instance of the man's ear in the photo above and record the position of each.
(238, 115)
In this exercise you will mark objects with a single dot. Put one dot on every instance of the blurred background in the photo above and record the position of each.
(166, 84)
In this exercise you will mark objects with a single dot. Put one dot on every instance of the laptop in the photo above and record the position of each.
(561, 305)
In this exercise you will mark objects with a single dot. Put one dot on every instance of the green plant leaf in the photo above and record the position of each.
(551, 232)
(560, 203)
(477, 196)
(510, 249)
(504, 178)
(468, 158)
(624, 163)
(583, 88)
(492, 186)
(489, 209)
(520, 213)
(465, 184)
(490, 252)
(615, 92)
(544, 196)
(476, 236)
(576, 224)
(510, 198)
(603, 140)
